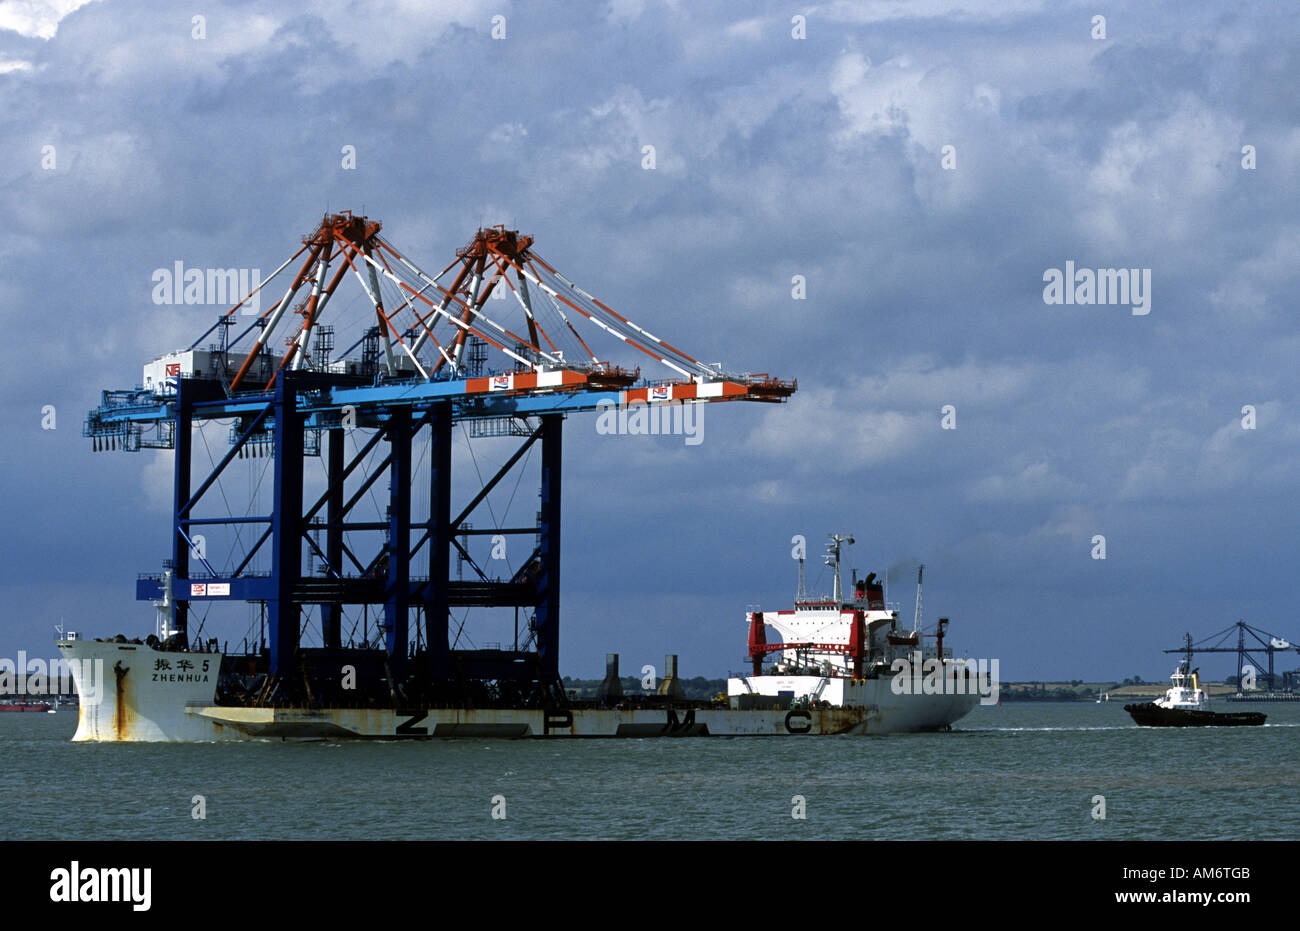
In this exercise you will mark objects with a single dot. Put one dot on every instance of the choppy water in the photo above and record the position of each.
(1019, 771)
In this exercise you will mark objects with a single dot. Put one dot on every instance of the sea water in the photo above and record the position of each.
(1018, 771)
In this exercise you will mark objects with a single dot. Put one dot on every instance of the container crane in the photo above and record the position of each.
(1270, 646)
(499, 339)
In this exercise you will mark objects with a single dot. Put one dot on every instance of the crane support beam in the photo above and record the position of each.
(398, 596)
(332, 612)
(436, 598)
(548, 541)
(283, 614)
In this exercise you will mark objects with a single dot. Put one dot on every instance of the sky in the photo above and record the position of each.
(870, 198)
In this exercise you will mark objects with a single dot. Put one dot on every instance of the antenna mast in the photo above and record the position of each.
(916, 620)
(833, 560)
(164, 608)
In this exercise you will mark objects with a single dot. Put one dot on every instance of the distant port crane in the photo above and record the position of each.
(495, 341)
(1268, 643)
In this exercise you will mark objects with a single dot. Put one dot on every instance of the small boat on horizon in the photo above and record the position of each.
(22, 705)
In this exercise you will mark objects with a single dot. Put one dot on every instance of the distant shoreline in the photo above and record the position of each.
(702, 687)
(1090, 691)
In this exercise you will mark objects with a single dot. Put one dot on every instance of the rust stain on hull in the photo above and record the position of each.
(119, 718)
(841, 720)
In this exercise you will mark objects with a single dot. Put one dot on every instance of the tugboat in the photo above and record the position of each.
(1186, 704)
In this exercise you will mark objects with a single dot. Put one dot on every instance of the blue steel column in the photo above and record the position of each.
(331, 614)
(398, 595)
(435, 598)
(282, 613)
(181, 495)
(548, 580)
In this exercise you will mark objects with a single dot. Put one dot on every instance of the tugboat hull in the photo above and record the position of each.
(1150, 714)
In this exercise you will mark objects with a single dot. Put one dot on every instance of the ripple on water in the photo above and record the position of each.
(1018, 771)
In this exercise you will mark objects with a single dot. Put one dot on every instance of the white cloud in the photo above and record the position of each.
(624, 11)
(1244, 294)
(37, 19)
(880, 11)
(156, 478)
(881, 418)
(750, 30)
(1179, 463)
(929, 104)
(831, 432)
(1160, 181)
(1035, 481)
(1071, 522)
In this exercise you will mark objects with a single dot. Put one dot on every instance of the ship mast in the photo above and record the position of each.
(916, 619)
(164, 608)
(833, 560)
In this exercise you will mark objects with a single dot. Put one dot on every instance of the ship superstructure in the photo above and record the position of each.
(836, 651)
(838, 636)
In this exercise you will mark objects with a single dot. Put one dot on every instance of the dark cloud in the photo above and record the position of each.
(776, 157)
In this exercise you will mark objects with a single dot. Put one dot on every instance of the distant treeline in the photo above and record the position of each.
(1029, 691)
(703, 688)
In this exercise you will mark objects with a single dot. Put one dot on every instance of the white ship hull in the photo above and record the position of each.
(890, 712)
(131, 692)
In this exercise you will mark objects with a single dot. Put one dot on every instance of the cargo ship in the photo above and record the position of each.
(853, 653)
(836, 671)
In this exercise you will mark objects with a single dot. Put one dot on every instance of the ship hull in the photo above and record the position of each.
(889, 712)
(1150, 714)
(142, 694)
(132, 692)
